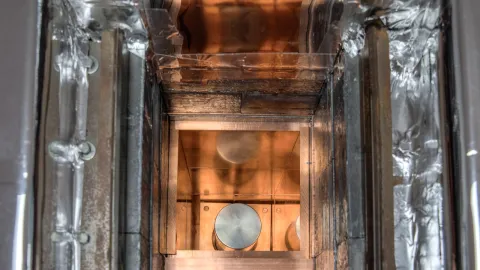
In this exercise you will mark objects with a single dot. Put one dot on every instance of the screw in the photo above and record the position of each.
(206, 208)
(87, 150)
(265, 210)
(83, 238)
(279, 210)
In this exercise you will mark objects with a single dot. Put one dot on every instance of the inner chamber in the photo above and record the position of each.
(223, 175)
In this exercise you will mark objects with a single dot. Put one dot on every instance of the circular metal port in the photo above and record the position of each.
(238, 226)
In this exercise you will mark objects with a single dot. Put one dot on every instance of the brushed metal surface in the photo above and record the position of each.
(238, 226)
(297, 226)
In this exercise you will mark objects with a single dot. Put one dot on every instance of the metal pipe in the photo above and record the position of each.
(465, 97)
(20, 26)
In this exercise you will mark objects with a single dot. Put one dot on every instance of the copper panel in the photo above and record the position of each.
(241, 185)
(284, 233)
(273, 173)
(238, 264)
(185, 232)
(213, 26)
(274, 151)
(196, 254)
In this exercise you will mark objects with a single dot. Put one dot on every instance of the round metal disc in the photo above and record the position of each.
(297, 226)
(238, 226)
(238, 146)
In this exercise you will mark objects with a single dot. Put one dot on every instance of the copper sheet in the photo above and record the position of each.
(284, 237)
(212, 26)
(272, 173)
(278, 227)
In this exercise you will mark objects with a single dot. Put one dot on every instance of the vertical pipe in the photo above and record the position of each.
(465, 97)
(73, 98)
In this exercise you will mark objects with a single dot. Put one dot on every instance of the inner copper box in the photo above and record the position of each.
(209, 166)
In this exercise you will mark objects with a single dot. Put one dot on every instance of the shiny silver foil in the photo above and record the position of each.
(72, 64)
(417, 154)
(413, 28)
(75, 25)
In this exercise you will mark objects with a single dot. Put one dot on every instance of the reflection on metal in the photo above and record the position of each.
(297, 227)
(250, 26)
(238, 226)
(238, 146)
(464, 98)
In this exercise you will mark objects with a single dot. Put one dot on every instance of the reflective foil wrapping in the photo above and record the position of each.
(75, 25)
(72, 63)
(417, 155)
(417, 150)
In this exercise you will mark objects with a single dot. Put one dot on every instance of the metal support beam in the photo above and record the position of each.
(101, 182)
(377, 141)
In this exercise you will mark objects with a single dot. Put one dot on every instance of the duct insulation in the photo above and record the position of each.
(75, 25)
(413, 28)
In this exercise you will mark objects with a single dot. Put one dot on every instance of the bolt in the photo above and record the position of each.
(83, 238)
(86, 150)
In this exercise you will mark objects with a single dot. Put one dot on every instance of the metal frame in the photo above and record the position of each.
(168, 184)
(377, 139)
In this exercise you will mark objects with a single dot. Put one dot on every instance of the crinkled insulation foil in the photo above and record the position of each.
(417, 154)
(413, 28)
(75, 25)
